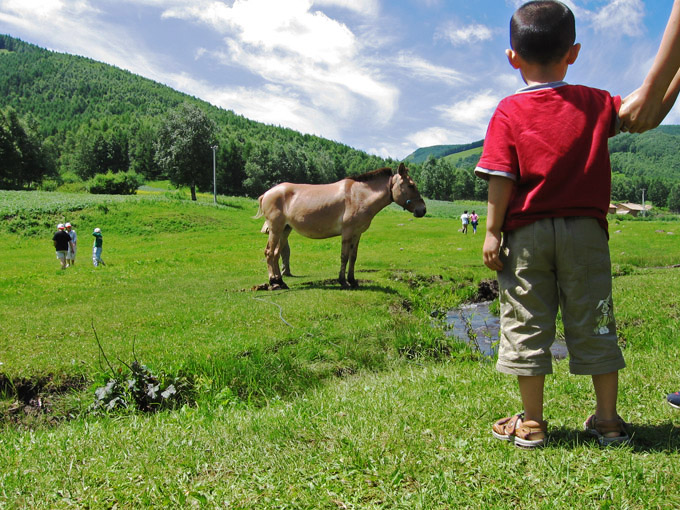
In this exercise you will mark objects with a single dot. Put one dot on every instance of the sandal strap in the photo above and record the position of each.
(607, 426)
(508, 426)
(532, 427)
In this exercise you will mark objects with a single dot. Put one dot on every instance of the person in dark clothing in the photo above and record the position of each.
(62, 244)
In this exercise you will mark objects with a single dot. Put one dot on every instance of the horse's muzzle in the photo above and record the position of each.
(419, 212)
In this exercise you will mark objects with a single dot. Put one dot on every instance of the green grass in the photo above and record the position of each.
(452, 158)
(313, 397)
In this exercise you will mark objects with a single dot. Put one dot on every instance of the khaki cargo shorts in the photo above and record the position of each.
(557, 263)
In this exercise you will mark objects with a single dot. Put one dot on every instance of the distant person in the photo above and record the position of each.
(97, 247)
(71, 254)
(646, 107)
(62, 244)
(464, 219)
(549, 195)
(474, 221)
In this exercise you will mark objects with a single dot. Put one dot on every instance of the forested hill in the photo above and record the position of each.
(74, 103)
(439, 151)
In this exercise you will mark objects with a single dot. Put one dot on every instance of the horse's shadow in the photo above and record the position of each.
(333, 284)
(661, 438)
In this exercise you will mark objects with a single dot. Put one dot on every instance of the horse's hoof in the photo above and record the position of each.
(287, 273)
(353, 284)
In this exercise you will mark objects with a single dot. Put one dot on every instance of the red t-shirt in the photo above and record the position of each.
(552, 140)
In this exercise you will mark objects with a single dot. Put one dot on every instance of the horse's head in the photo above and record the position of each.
(405, 193)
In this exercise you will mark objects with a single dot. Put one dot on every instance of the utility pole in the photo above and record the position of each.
(214, 148)
(644, 211)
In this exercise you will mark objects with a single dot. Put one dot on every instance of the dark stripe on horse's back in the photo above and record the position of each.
(374, 174)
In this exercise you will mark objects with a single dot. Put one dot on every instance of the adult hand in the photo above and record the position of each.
(640, 111)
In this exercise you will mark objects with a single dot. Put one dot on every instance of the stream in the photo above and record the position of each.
(474, 322)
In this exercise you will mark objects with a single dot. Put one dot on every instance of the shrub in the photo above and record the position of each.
(121, 183)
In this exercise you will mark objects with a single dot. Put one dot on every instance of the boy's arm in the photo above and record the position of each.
(500, 191)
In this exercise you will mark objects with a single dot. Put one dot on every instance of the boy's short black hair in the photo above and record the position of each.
(542, 31)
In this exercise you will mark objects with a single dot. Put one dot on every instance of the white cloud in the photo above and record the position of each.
(624, 17)
(424, 69)
(289, 46)
(469, 34)
(46, 10)
(365, 7)
(432, 136)
(465, 121)
(474, 111)
(273, 25)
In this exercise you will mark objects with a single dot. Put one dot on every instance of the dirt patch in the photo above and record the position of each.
(36, 400)
(414, 280)
(487, 290)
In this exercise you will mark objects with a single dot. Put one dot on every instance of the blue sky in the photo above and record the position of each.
(382, 76)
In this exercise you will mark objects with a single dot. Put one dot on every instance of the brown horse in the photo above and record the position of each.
(344, 208)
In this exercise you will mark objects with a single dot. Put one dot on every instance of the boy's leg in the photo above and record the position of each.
(606, 390)
(531, 390)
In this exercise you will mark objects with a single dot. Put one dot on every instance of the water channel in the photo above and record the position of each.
(474, 323)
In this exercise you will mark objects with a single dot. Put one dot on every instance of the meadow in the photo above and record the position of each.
(314, 397)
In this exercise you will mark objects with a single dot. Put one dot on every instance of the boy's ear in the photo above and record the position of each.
(513, 58)
(573, 53)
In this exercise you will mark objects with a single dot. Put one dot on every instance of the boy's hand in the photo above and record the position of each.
(492, 246)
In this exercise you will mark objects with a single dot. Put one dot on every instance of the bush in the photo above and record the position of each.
(121, 183)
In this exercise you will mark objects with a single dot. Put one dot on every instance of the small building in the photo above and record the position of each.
(632, 209)
(612, 209)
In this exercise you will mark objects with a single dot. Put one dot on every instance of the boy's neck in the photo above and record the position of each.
(541, 74)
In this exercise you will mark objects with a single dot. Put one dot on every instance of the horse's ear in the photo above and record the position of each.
(403, 171)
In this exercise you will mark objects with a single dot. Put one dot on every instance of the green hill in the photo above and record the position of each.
(473, 153)
(75, 102)
(440, 151)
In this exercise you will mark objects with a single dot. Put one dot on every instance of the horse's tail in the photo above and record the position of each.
(260, 213)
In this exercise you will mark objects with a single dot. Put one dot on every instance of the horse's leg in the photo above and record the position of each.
(344, 257)
(349, 254)
(285, 251)
(354, 250)
(272, 252)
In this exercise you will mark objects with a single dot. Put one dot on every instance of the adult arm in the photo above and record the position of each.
(646, 107)
(500, 191)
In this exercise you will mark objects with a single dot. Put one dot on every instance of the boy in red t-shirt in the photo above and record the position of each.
(546, 158)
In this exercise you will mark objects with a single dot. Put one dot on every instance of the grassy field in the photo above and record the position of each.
(313, 397)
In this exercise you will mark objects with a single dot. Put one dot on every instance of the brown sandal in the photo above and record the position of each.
(504, 429)
(526, 434)
(599, 428)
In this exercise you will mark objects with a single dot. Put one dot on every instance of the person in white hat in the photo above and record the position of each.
(62, 243)
(71, 254)
(97, 247)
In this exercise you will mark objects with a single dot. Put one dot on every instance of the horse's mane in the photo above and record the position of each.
(372, 175)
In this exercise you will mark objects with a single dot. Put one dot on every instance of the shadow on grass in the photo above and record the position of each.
(333, 284)
(662, 438)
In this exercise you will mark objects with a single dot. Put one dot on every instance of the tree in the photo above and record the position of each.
(101, 147)
(674, 199)
(658, 192)
(24, 160)
(622, 188)
(436, 179)
(183, 147)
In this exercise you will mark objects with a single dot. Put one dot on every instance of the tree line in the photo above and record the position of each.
(73, 123)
